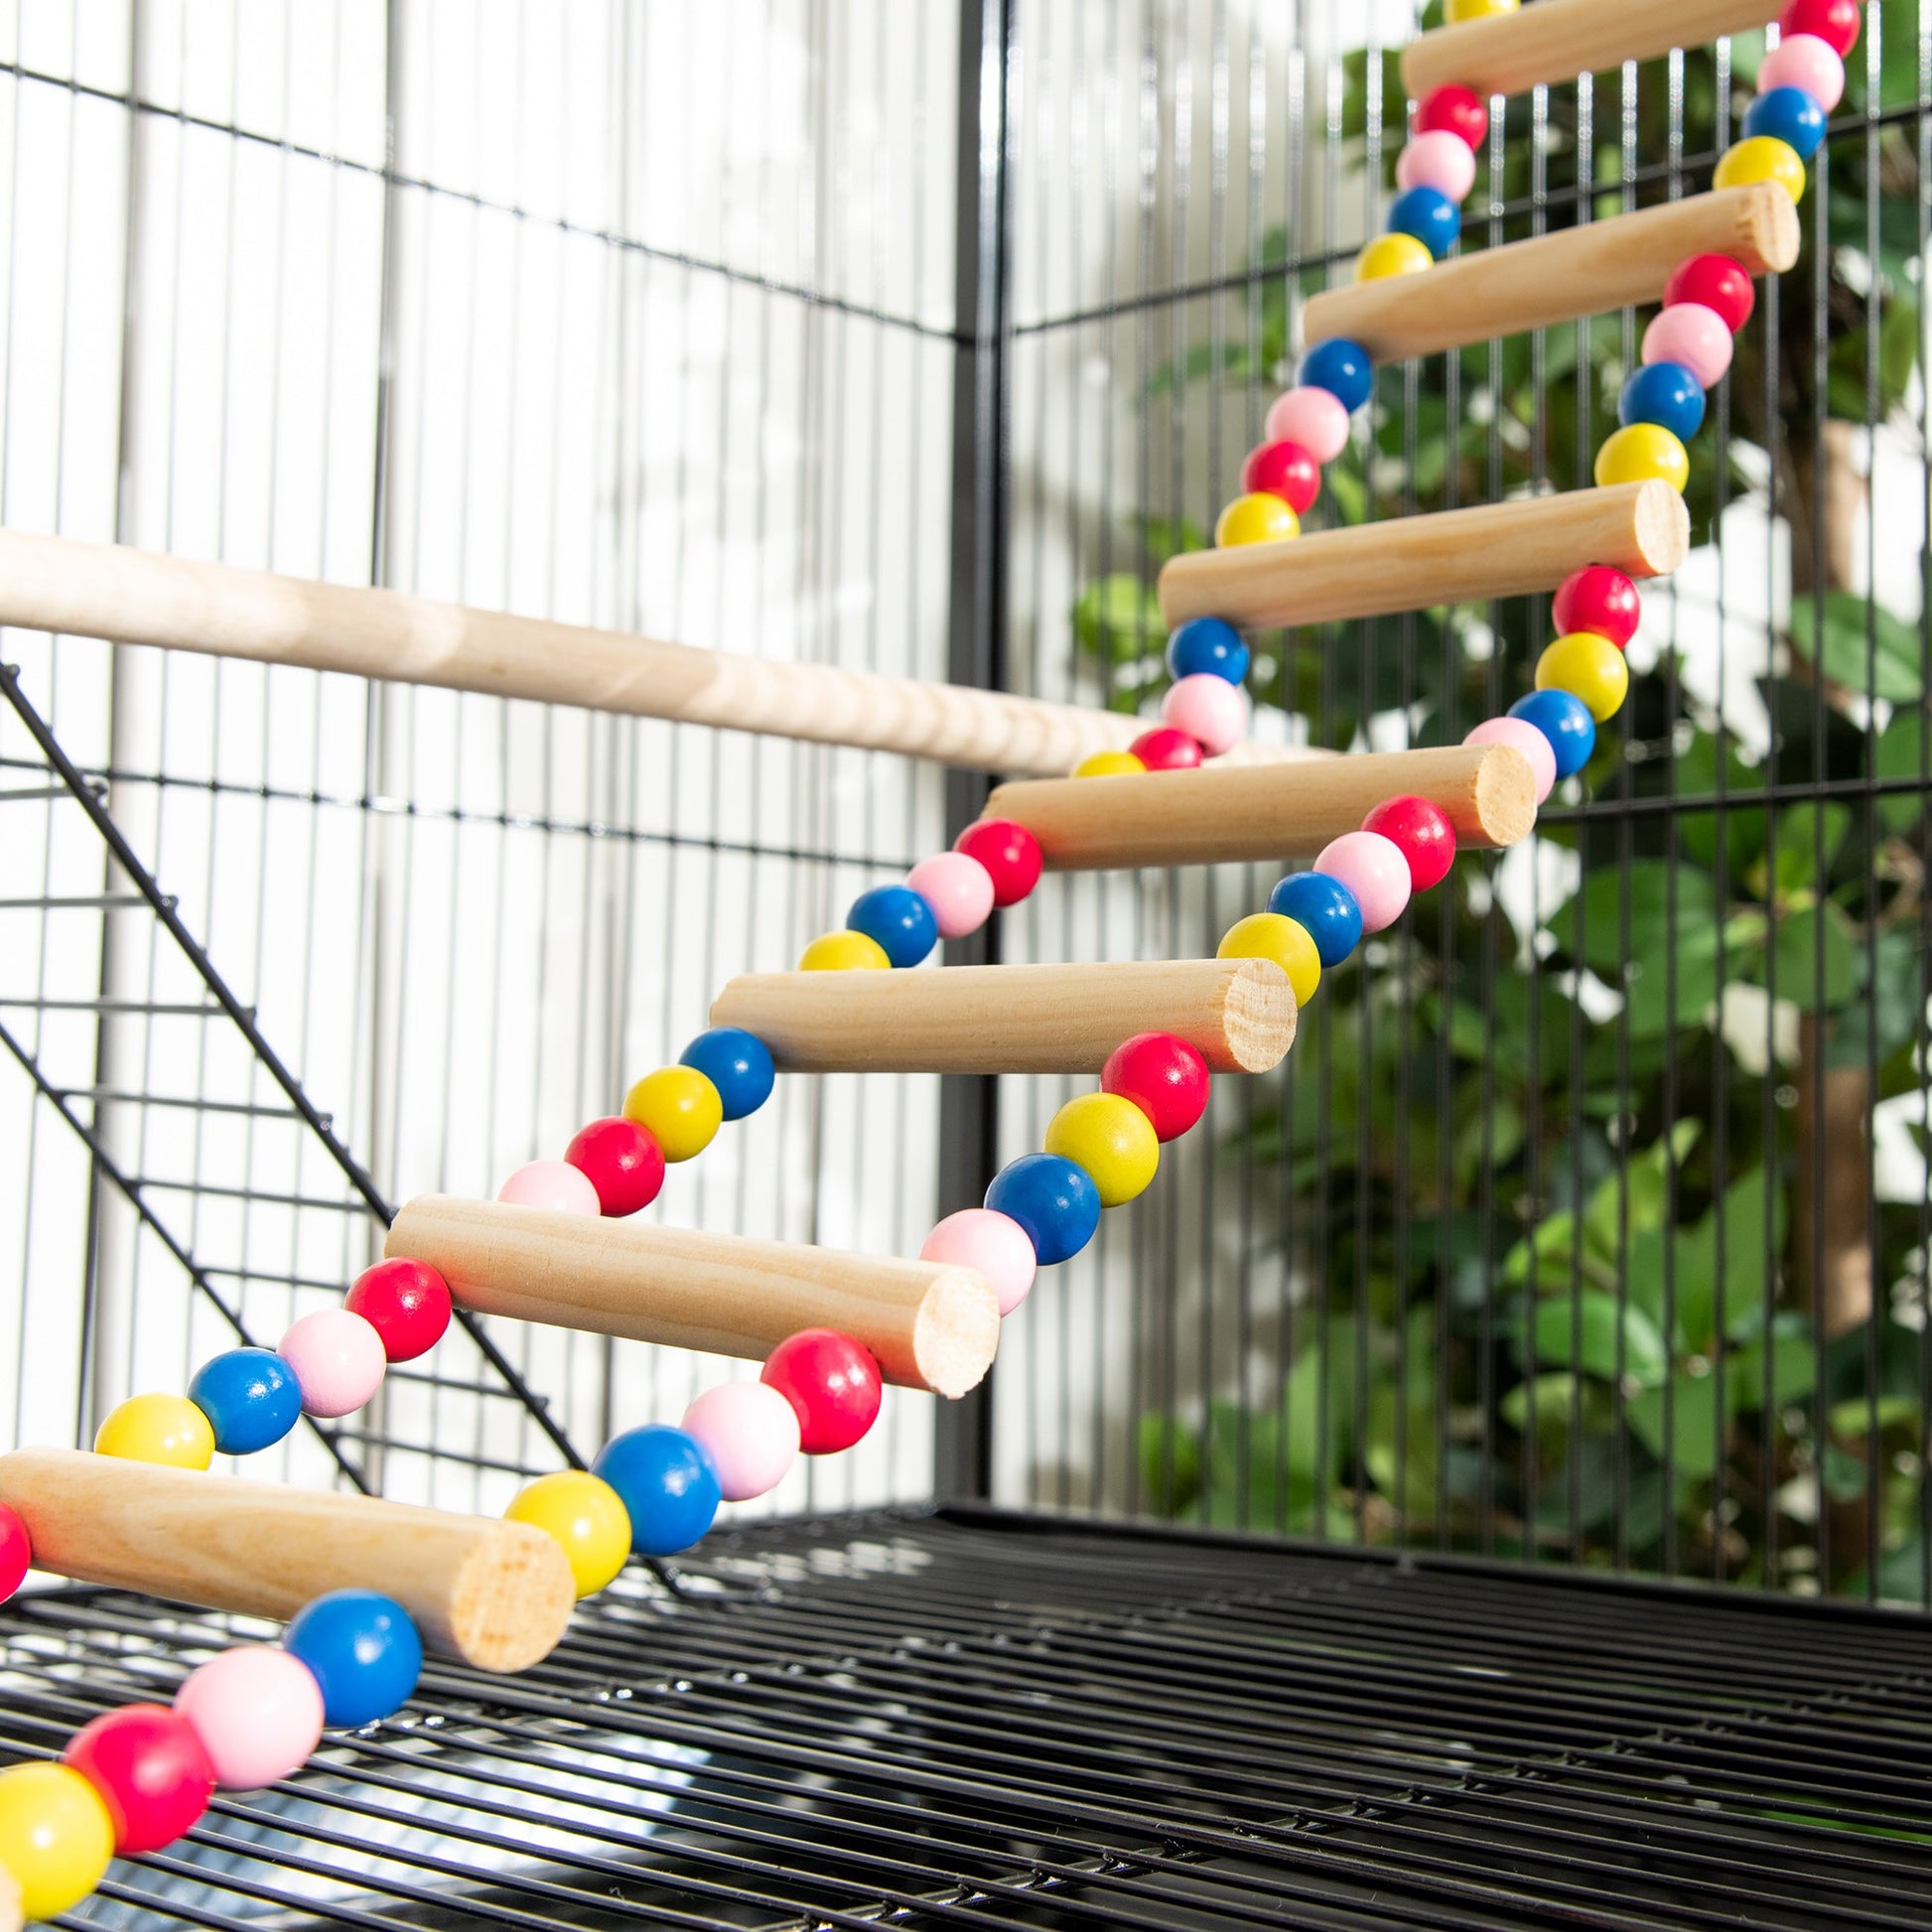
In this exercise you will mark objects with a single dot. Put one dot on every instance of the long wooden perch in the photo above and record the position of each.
(930, 1327)
(497, 1594)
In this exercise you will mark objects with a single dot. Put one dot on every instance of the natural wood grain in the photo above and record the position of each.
(930, 1327)
(497, 1595)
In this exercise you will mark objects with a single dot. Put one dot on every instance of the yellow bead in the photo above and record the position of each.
(158, 1429)
(1589, 667)
(1108, 1135)
(1763, 157)
(843, 952)
(56, 1836)
(1108, 765)
(584, 1514)
(1391, 254)
(1457, 11)
(1641, 452)
(678, 1107)
(1256, 518)
(1274, 935)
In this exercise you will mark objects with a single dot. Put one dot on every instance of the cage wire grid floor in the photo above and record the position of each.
(976, 1719)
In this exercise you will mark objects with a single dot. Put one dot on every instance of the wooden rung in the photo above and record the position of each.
(1209, 817)
(497, 1595)
(1558, 277)
(1557, 40)
(1408, 563)
(930, 1327)
(10, 1914)
(1240, 1013)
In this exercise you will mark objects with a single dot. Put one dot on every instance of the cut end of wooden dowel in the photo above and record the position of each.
(1773, 234)
(1660, 531)
(956, 1333)
(512, 1599)
(1258, 1017)
(1505, 796)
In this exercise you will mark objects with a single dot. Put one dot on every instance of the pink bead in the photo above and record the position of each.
(957, 888)
(1694, 335)
(1374, 869)
(995, 1244)
(1314, 418)
(1524, 737)
(1209, 709)
(1804, 60)
(1439, 160)
(751, 1433)
(554, 1184)
(257, 1712)
(337, 1359)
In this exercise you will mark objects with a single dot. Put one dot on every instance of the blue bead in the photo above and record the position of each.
(1430, 215)
(1667, 394)
(250, 1396)
(899, 919)
(1052, 1198)
(1566, 722)
(362, 1649)
(737, 1063)
(1210, 644)
(1343, 369)
(1790, 115)
(1324, 909)
(665, 1482)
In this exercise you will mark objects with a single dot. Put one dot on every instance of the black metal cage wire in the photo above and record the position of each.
(1014, 303)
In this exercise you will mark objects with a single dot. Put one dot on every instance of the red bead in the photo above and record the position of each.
(407, 1304)
(1166, 749)
(1716, 282)
(151, 1771)
(1836, 21)
(1165, 1077)
(1453, 111)
(833, 1383)
(1283, 469)
(1599, 600)
(16, 1552)
(1009, 852)
(1421, 833)
(621, 1160)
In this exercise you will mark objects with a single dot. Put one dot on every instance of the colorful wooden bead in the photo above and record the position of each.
(1454, 12)
(1009, 852)
(1790, 115)
(164, 1429)
(994, 1245)
(1439, 160)
(1375, 872)
(1806, 60)
(749, 1433)
(738, 1063)
(585, 1517)
(337, 1361)
(1324, 909)
(833, 1385)
(56, 1836)
(620, 1160)
(1566, 724)
(1111, 1140)
(1762, 158)
(958, 888)
(1521, 736)
(1166, 749)
(148, 1768)
(1110, 765)
(1589, 667)
(1213, 645)
(1643, 453)
(1165, 1076)
(407, 1303)
(1257, 517)
(1280, 468)
(678, 1108)
(1429, 216)
(1421, 833)
(1271, 936)
(1314, 417)
(250, 1397)
(1389, 255)
(1207, 709)
(1713, 282)
(1342, 368)
(898, 919)
(1667, 394)
(1835, 22)
(16, 1552)
(1597, 598)
(1453, 111)
(363, 1651)
(555, 1186)
(1694, 336)
(257, 1711)
(843, 952)
(667, 1486)
(1052, 1198)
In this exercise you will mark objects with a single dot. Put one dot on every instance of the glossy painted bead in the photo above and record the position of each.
(1713, 282)
(1521, 736)
(1790, 115)
(1761, 159)
(1009, 852)
(898, 919)
(1108, 1137)
(1212, 643)
(1052, 1198)
(1110, 765)
(1835, 22)
(1324, 909)
(1439, 160)
(1667, 394)
(843, 952)
(1165, 1076)
(1806, 61)
(1589, 667)
(585, 1517)
(257, 1711)
(621, 1160)
(1601, 599)
(164, 1429)
(832, 1383)
(1566, 724)
(337, 1361)
(1643, 453)
(1421, 833)
(1256, 518)
(1375, 872)
(148, 1768)
(678, 1108)
(1429, 216)
(555, 1186)
(1278, 469)
(250, 1397)
(1273, 935)
(1207, 709)
(995, 1244)
(1692, 336)
(56, 1836)
(16, 1552)
(1314, 417)
(1343, 369)
(667, 1486)
(958, 888)
(407, 1303)
(1389, 255)
(1453, 111)
(1166, 749)
(1454, 12)
(362, 1649)
(738, 1064)
(750, 1432)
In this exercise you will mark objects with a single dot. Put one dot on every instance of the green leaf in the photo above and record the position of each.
(1789, 1359)
(1808, 837)
(1119, 618)
(1859, 645)
(1817, 937)
(1591, 1322)
(1673, 939)
(1170, 1458)
(1552, 1398)
(1682, 1430)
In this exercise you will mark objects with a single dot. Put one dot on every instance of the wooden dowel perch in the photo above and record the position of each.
(930, 1327)
(1203, 817)
(1412, 562)
(1240, 1013)
(1557, 40)
(497, 1595)
(10, 1913)
(1556, 278)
